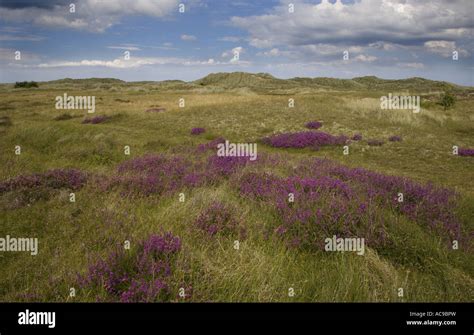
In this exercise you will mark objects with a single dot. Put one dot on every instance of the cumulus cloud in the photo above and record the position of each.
(129, 47)
(365, 58)
(444, 48)
(14, 37)
(92, 15)
(411, 65)
(384, 25)
(232, 39)
(270, 53)
(118, 63)
(185, 37)
(233, 53)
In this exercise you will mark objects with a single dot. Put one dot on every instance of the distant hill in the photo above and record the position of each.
(259, 83)
(266, 82)
(255, 81)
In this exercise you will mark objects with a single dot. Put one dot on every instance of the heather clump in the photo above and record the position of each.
(310, 208)
(211, 145)
(197, 131)
(304, 139)
(424, 203)
(142, 275)
(313, 125)
(465, 152)
(155, 174)
(165, 174)
(54, 179)
(95, 119)
(225, 165)
(323, 198)
(218, 218)
(395, 138)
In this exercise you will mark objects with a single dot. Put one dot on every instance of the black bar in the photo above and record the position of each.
(354, 316)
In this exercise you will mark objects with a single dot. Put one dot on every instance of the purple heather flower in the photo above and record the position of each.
(304, 139)
(313, 125)
(217, 218)
(95, 119)
(357, 137)
(197, 131)
(465, 152)
(395, 138)
(56, 179)
(141, 276)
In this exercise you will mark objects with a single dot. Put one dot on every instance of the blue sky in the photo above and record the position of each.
(386, 38)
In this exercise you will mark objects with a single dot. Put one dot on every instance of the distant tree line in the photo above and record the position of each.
(26, 84)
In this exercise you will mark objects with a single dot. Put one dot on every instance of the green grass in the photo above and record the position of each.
(72, 235)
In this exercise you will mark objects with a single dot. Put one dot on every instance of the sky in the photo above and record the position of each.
(137, 40)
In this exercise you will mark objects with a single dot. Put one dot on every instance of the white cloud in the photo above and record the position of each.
(92, 15)
(270, 53)
(233, 52)
(185, 37)
(119, 63)
(365, 58)
(385, 25)
(233, 39)
(444, 48)
(130, 47)
(411, 65)
(30, 38)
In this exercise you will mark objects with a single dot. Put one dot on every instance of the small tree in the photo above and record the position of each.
(447, 100)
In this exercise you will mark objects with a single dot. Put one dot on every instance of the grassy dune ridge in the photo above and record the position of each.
(240, 108)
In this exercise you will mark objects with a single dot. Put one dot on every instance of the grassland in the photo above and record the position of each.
(239, 108)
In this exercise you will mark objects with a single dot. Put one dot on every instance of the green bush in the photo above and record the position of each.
(447, 100)
(26, 84)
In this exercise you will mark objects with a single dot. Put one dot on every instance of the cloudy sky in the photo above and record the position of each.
(305, 38)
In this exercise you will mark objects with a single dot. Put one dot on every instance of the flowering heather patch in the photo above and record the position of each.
(217, 219)
(197, 131)
(395, 138)
(55, 179)
(426, 204)
(225, 166)
(95, 119)
(211, 145)
(331, 199)
(356, 137)
(143, 275)
(304, 139)
(155, 174)
(465, 152)
(376, 143)
(313, 125)
(161, 174)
